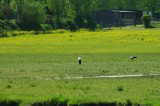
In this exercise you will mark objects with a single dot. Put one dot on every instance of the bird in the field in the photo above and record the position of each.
(133, 57)
(79, 60)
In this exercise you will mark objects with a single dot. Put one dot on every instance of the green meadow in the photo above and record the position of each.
(41, 69)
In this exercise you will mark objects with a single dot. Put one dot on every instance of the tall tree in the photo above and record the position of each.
(30, 14)
(61, 9)
(148, 5)
(83, 10)
(131, 4)
(17, 6)
(6, 12)
(5, 2)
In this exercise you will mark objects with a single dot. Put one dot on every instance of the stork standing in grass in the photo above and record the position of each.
(133, 57)
(79, 60)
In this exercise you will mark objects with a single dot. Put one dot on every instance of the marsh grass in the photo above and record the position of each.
(36, 68)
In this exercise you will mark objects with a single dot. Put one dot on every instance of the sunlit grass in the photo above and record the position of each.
(112, 41)
(29, 65)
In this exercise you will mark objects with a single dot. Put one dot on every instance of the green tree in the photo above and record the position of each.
(6, 12)
(131, 4)
(61, 10)
(148, 5)
(30, 14)
(5, 2)
(83, 9)
(18, 7)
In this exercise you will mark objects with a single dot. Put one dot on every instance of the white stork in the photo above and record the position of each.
(133, 57)
(79, 60)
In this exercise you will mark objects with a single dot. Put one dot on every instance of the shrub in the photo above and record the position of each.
(13, 34)
(80, 21)
(91, 24)
(49, 20)
(3, 25)
(36, 32)
(99, 26)
(46, 27)
(8, 25)
(146, 20)
(3, 34)
(13, 24)
(71, 25)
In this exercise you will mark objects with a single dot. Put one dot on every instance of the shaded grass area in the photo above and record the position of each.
(53, 103)
(141, 91)
(9, 103)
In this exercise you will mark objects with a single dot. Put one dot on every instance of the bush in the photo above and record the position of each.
(3, 34)
(71, 25)
(13, 25)
(49, 20)
(80, 21)
(99, 26)
(3, 25)
(46, 27)
(8, 25)
(91, 24)
(146, 20)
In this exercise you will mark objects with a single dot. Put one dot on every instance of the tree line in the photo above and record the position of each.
(68, 14)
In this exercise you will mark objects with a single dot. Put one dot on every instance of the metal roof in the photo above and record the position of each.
(123, 11)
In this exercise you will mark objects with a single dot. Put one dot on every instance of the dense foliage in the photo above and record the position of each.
(30, 14)
(146, 20)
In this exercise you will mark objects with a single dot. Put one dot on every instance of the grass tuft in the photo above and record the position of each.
(120, 88)
(9, 86)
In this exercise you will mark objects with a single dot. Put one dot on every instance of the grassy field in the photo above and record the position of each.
(30, 65)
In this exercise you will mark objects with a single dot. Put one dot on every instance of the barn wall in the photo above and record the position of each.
(105, 18)
(116, 18)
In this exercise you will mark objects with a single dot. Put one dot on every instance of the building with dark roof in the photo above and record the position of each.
(117, 17)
